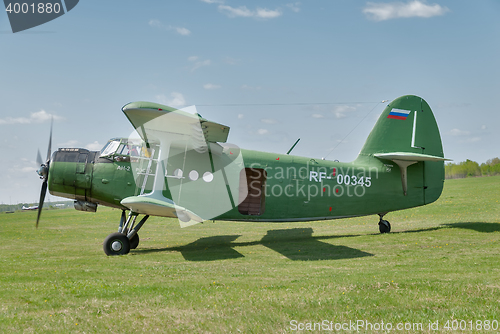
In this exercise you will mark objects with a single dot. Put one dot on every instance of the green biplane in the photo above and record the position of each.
(178, 164)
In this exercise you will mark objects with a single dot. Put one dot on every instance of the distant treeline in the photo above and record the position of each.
(19, 206)
(471, 168)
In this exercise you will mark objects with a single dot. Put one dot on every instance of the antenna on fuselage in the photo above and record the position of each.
(293, 146)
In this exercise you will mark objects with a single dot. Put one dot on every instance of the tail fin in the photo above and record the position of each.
(407, 133)
(406, 125)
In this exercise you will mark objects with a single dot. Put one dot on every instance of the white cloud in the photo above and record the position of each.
(197, 64)
(155, 23)
(458, 132)
(95, 146)
(483, 127)
(243, 11)
(342, 111)
(213, 1)
(22, 165)
(464, 136)
(262, 131)
(180, 30)
(294, 6)
(269, 121)
(35, 117)
(265, 13)
(210, 86)
(317, 116)
(176, 100)
(392, 10)
(472, 140)
(28, 169)
(240, 116)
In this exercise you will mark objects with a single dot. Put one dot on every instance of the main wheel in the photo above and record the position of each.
(134, 242)
(384, 226)
(116, 244)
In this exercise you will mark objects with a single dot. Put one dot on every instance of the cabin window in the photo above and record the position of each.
(253, 179)
(83, 157)
(66, 156)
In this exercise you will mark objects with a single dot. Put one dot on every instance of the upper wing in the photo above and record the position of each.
(139, 113)
(194, 179)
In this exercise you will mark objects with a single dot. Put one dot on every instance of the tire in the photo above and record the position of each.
(384, 226)
(116, 244)
(134, 242)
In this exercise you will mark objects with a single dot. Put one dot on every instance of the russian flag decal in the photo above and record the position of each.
(399, 114)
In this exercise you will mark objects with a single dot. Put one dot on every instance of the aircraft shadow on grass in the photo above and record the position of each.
(476, 226)
(296, 244)
(482, 227)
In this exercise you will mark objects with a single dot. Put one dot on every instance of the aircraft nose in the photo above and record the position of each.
(42, 171)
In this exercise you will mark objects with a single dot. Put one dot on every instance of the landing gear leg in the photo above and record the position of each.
(383, 225)
(126, 238)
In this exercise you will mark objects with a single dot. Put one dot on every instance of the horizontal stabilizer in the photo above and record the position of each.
(405, 159)
(407, 156)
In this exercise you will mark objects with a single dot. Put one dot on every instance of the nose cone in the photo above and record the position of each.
(42, 171)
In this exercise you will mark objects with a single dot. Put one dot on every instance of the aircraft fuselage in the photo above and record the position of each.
(280, 187)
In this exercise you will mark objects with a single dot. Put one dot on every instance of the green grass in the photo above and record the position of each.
(441, 262)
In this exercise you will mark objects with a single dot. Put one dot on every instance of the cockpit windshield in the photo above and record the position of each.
(125, 147)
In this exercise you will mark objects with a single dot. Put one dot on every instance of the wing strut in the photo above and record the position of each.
(403, 167)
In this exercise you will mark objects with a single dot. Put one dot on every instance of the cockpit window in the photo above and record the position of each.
(109, 148)
(129, 149)
(123, 149)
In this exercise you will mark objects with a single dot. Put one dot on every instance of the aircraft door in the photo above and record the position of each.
(81, 162)
(252, 191)
(83, 174)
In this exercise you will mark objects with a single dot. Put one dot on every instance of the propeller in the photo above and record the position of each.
(43, 171)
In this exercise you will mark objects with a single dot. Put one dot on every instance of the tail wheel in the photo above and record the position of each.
(116, 244)
(384, 226)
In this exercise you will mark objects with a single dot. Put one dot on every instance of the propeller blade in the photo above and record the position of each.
(43, 192)
(50, 141)
(39, 161)
(42, 199)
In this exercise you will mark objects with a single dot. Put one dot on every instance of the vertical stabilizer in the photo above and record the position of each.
(407, 134)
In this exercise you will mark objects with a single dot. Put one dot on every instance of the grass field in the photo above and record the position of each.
(440, 263)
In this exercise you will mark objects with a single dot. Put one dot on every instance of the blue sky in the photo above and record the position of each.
(271, 58)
